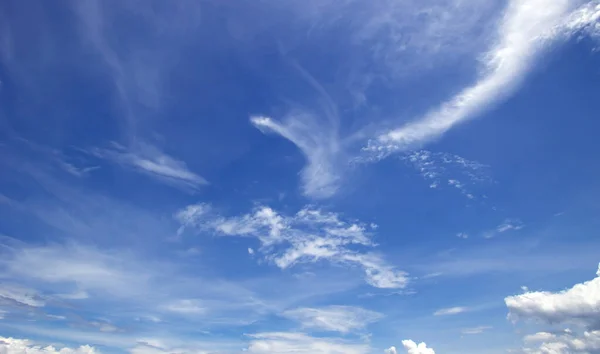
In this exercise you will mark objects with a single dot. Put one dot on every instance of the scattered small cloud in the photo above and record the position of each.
(413, 348)
(510, 225)
(475, 330)
(507, 225)
(191, 307)
(342, 319)
(462, 235)
(390, 350)
(450, 311)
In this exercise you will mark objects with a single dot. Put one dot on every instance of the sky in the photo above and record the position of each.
(300, 176)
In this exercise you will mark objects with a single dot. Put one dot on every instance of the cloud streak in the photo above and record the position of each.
(342, 319)
(526, 29)
(154, 163)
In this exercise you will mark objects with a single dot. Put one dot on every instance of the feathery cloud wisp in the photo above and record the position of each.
(526, 29)
(320, 177)
(151, 161)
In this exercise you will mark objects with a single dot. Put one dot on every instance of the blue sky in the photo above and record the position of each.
(310, 176)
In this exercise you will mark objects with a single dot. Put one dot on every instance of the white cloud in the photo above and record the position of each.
(289, 342)
(563, 343)
(151, 161)
(342, 319)
(186, 307)
(475, 330)
(85, 268)
(450, 311)
(510, 225)
(462, 235)
(320, 147)
(525, 30)
(390, 350)
(440, 169)
(579, 304)
(309, 236)
(17, 295)
(414, 348)
(23, 346)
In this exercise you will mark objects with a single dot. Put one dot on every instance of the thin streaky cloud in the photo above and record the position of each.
(527, 28)
(151, 161)
(341, 319)
(450, 311)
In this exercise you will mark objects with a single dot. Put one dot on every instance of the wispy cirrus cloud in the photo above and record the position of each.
(152, 162)
(309, 236)
(342, 319)
(526, 29)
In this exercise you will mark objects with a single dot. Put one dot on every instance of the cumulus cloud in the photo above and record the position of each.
(525, 30)
(342, 319)
(290, 342)
(414, 348)
(24, 346)
(309, 236)
(579, 305)
(149, 160)
(566, 342)
(390, 350)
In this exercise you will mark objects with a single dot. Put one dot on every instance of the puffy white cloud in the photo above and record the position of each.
(450, 311)
(390, 350)
(563, 343)
(579, 304)
(23, 346)
(342, 319)
(297, 343)
(414, 348)
(525, 30)
(309, 236)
